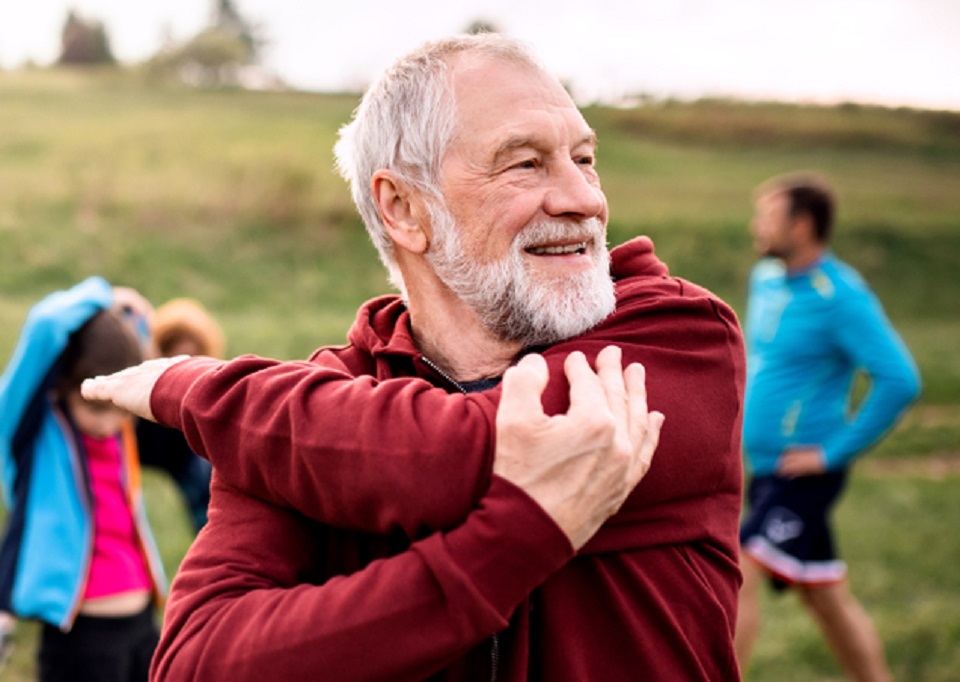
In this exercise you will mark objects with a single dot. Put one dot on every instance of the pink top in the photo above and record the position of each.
(117, 564)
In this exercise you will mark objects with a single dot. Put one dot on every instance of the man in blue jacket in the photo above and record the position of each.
(813, 326)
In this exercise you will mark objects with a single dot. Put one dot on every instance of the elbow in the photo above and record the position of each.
(912, 385)
(906, 388)
(164, 666)
(187, 641)
(916, 388)
(178, 663)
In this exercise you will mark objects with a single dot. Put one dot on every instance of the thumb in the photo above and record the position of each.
(523, 385)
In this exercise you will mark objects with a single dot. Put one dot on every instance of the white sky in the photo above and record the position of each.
(896, 52)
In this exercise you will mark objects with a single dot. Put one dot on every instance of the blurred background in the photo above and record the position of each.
(184, 148)
(894, 52)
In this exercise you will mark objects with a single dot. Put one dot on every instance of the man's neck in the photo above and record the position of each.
(462, 349)
(452, 337)
(803, 258)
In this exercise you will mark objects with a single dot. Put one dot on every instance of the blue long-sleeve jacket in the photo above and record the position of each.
(47, 544)
(808, 334)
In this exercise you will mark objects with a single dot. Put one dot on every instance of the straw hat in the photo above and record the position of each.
(183, 325)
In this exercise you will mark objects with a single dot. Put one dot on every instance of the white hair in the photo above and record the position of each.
(405, 123)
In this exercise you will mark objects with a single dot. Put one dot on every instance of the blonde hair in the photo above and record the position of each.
(186, 319)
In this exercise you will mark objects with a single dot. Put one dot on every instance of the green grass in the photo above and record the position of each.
(173, 532)
(895, 530)
(231, 197)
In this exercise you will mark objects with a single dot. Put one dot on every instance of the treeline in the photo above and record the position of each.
(738, 124)
(215, 56)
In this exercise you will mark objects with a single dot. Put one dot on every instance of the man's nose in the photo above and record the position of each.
(572, 193)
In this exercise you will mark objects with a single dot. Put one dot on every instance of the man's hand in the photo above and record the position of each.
(579, 466)
(801, 461)
(130, 388)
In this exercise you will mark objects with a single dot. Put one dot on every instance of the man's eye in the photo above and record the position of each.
(526, 164)
(586, 160)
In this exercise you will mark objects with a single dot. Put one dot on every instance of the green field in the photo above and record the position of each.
(230, 197)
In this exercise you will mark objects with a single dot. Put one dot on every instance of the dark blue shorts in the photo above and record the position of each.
(786, 528)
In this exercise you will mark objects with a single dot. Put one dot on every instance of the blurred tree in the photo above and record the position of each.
(217, 55)
(84, 42)
(228, 19)
(482, 26)
(212, 58)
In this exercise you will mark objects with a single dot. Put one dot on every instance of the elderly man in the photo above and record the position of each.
(364, 522)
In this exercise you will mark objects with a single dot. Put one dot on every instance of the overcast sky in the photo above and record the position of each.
(896, 52)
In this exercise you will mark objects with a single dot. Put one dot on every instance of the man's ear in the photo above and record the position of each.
(401, 210)
(803, 225)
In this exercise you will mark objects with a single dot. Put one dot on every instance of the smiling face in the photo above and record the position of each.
(522, 236)
(513, 301)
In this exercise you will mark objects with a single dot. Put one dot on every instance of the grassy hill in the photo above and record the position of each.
(230, 197)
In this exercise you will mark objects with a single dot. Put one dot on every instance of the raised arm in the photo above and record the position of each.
(25, 380)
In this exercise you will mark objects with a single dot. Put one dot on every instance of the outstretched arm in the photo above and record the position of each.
(249, 602)
(354, 452)
(397, 453)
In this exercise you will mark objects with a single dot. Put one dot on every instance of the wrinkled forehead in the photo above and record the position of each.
(504, 97)
(474, 77)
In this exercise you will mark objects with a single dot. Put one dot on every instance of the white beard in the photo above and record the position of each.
(514, 302)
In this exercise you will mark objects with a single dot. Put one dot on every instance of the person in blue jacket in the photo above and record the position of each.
(812, 327)
(77, 553)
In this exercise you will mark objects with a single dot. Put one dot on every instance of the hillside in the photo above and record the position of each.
(230, 197)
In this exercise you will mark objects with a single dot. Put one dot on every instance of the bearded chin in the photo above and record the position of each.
(539, 313)
(512, 301)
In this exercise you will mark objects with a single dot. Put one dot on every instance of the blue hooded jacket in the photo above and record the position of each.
(46, 549)
(809, 333)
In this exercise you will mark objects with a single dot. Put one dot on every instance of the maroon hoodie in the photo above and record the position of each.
(356, 531)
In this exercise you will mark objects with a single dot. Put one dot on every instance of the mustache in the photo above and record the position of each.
(547, 231)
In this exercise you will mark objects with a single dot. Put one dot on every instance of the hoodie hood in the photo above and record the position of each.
(636, 258)
(382, 327)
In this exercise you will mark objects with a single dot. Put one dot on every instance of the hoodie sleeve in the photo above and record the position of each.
(250, 601)
(353, 452)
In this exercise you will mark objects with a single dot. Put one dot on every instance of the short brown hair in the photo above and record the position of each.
(103, 345)
(809, 194)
